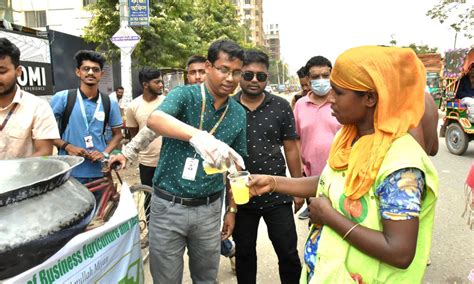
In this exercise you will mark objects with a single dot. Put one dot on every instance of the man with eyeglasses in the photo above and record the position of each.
(198, 123)
(315, 125)
(270, 125)
(196, 69)
(83, 131)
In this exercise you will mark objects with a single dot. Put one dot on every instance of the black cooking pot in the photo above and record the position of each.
(33, 229)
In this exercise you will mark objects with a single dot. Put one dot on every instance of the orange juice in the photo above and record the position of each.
(238, 184)
(240, 192)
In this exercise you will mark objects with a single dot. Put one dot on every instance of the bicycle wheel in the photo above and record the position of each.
(142, 197)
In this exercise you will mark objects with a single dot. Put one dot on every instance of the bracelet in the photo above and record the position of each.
(274, 186)
(64, 145)
(350, 230)
(231, 209)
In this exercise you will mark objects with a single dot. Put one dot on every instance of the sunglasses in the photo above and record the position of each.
(249, 75)
(86, 69)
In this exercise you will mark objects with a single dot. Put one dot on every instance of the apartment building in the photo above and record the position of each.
(251, 16)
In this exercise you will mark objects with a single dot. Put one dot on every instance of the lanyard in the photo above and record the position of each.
(7, 118)
(203, 107)
(83, 111)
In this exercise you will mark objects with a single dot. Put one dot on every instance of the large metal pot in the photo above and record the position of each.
(33, 229)
(24, 178)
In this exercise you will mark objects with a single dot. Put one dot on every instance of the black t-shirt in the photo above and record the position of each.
(268, 126)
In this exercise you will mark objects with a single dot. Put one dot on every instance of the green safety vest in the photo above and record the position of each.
(336, 258)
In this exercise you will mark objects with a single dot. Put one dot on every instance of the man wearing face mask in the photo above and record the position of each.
(315, 125)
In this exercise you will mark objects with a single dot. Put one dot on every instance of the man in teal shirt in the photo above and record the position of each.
(197, 122)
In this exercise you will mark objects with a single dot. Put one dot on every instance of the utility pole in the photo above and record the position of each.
(278, 71)
(125, 57)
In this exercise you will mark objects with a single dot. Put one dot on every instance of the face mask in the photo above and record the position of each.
(320, 86)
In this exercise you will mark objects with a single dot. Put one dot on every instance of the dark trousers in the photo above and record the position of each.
(282, 233)
(146, 178)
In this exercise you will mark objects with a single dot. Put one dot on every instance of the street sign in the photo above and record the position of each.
(126, 39)
(138, 15)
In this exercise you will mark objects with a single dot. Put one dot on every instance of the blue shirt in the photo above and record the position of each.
(76, 129)
(184, 103)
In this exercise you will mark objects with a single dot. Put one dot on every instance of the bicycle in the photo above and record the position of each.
(142, 196)
(110, 196)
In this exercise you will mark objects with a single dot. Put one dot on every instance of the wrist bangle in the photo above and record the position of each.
(64, 145)
(274, 185)
(350, 230)
(231, 209)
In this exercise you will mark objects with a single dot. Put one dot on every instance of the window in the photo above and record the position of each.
(247, 12)
(87, 2)
(247, 2)
(35, 19)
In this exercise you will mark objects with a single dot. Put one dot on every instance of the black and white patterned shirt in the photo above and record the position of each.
(268, 126)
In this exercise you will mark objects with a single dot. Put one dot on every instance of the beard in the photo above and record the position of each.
(156, 93)
(252, 93)
(8, 89)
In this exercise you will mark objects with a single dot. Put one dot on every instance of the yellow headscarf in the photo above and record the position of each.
(399, 78)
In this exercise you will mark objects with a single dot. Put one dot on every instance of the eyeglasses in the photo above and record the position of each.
(249, 75)
(226, 71)
(197, 71)
(86, 69)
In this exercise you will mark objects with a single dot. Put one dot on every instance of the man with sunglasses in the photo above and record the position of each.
(196, 69)
(270, 125)
(198, 122)
(84, 133)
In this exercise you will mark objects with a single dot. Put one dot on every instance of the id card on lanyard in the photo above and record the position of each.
(192, 164)
(88, 138)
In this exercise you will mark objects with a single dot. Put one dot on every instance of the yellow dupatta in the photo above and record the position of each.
(399, 78)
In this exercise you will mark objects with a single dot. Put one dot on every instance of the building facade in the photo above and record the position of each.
(272, 40)
(251, 16)
(65, 16)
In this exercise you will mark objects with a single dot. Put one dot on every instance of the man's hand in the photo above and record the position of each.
(96, 156)
(260, 184)
(118, 159)
(76, 151)
(215, 152)
(228, 227)
(298, 203)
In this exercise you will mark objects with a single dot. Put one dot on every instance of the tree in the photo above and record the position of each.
(458, 14)
(422, 49)
(178, 29)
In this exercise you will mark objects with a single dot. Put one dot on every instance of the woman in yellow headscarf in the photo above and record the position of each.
(373, 215)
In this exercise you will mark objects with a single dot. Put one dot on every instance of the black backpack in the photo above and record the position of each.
(71, 100)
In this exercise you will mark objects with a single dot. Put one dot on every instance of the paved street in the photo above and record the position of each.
(452, 253)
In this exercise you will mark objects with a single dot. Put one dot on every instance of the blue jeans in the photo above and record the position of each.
(174, 227)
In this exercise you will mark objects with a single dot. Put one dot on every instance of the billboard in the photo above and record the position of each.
(35, 60)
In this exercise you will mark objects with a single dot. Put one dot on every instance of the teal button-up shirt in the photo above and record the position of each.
(184, 103)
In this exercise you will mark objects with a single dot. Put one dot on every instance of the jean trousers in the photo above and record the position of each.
(174, 227)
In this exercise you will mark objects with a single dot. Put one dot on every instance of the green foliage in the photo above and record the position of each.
(278, 72)
(178, 29)
(422, 49)
(458, 14)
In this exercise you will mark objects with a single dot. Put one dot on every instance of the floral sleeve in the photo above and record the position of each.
(400, 194)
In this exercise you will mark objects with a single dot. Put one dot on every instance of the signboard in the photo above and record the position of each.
(453, 62)
(138, 15)
(126, 39)
(35, 59)
(108, 254)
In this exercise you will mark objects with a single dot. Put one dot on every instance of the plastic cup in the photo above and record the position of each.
(210, 170)
(238, 184)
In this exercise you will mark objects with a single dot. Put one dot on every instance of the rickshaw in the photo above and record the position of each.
(458, 126)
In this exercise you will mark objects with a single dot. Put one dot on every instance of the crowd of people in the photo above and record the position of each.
(352, 143)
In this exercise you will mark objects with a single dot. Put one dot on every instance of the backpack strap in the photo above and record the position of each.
(71, 100)
(106, 105)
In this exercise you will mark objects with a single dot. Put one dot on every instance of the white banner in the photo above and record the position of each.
(108, 254)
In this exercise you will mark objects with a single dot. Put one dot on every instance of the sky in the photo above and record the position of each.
(314, 27)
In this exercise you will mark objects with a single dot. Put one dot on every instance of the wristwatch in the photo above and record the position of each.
(106, 155)
(231, 209)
